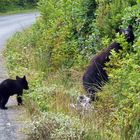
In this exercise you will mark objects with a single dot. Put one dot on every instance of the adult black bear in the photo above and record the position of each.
(10, 87)
(95, 76)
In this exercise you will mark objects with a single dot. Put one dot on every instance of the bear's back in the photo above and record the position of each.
(10, 87)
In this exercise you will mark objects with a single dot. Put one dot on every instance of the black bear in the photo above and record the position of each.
(10, 87)
(95, 76)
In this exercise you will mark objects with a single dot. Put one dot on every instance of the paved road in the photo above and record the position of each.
(12, 120)
(12, 23)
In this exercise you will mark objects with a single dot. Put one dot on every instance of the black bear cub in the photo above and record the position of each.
(10, 87)
(96, 76)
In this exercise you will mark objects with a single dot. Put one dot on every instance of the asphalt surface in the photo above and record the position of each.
(12, 121)
(13, 23)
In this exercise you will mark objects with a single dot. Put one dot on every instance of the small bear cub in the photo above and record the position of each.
(10, 87)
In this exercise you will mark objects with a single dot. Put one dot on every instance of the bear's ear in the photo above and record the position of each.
(17, 77)
(24, 77)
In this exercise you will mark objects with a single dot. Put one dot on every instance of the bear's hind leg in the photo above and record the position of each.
(4, 100)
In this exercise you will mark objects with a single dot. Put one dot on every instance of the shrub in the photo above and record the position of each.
(120, 98)
(52, 126)
(10, 5)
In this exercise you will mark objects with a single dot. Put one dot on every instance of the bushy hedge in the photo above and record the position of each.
(74, 29)
(9, 5)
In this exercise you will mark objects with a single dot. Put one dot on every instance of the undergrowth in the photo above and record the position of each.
(54, 53)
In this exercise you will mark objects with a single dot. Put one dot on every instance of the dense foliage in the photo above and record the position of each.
(9, 5)
(53, 54)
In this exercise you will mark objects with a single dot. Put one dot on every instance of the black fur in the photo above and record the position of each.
(129, 36)
(10, 87)
(95, 76)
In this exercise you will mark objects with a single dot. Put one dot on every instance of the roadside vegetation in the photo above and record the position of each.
(54, 54)
(16, 6)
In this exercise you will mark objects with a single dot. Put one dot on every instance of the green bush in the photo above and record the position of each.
(10, 5)
(124, 92)
(52, 126)
(109, 15)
